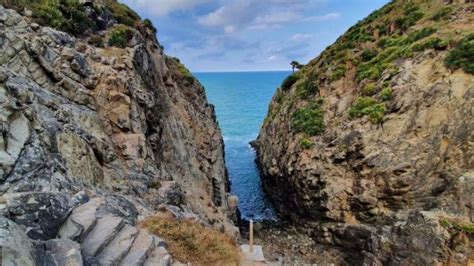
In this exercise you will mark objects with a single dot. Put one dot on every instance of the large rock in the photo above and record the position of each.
(62, 252)
(16, 247)
(41, 213)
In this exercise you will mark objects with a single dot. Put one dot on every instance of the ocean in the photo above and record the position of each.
(241, 100)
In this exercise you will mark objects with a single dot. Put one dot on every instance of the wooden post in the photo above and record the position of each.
(251, 236)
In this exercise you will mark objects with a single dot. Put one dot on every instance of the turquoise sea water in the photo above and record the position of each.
(241, 100)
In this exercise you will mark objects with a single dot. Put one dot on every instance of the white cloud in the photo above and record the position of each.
(299, 37)
(229, 29)
(259, 15)
(237, 12)
(164, 7)
(329, 16)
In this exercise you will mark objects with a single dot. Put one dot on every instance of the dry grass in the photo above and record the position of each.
(191, 242)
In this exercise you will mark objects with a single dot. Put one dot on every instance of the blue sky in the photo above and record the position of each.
(250, 35)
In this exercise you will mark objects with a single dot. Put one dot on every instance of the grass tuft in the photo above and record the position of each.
(457, 225)
(306, 143)
(193, 243)
(462, 56)
(368, 106)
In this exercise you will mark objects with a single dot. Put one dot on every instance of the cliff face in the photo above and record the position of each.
(369, 146)
(96, 136)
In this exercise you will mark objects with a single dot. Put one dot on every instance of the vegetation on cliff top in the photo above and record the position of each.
(71, 16)
(191, 242)
(370, 53)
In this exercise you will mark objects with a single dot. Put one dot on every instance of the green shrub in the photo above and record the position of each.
(120, 36)
(289, 81)
(385, 42)
(368, 54)
(339, 72)
(420, 34)
(430, 43)
(442, 14)
(307, 87)
(149, 25)
(310, 119)
(65, 15)
(369, 89)
(370, 107)
(373, 69)
(122, 13)
(70, 15)
(386, 93)
(306, 143)
(410, 16)
(185, 73)
(462, 56)
(358, 34)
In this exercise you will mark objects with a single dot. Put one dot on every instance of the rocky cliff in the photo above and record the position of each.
(369, 147)
(99, 129)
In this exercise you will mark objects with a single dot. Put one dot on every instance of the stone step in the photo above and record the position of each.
(104, 231)
(158, 257)
(62, 252)
(81, 221)
(118, 248)
(141, 248)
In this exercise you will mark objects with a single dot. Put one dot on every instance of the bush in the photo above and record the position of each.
(310, 119)
(386, 42)
(307, 87)
(368, 54)
(289, 81)
(193, 243)
(65, 15)
(410, 16)
(373, 69)
(122, 13)
(369, 89)
(306, 143)
(338, 73)
(149, 25)
(183, 71)
(370, 107)
(386, 94)
(442, 14)
(120, 36)
(420, 34)
(462, 56)
(431, 43)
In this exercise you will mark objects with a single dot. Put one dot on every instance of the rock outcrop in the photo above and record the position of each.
(369, 146)
(97, 137)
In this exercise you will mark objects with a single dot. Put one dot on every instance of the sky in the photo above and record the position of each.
(249, 35)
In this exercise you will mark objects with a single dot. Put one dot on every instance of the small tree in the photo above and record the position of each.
(295, 64)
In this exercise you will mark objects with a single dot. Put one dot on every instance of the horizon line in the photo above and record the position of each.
(239, 71)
